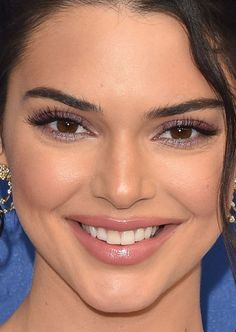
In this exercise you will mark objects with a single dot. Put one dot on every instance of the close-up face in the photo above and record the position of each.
(109, 123)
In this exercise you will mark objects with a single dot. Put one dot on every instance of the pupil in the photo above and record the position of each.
(181, 133)
(66, 126)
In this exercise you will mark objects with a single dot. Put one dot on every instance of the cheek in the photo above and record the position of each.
(194, 182)
(43, 187)
(43, 178)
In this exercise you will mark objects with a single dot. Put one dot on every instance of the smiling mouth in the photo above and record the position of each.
(122, 241)
(122, 238)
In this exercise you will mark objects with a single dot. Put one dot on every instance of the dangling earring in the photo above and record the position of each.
(5, 205)
(232, 218)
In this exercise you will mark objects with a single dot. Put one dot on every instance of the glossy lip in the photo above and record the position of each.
(122, 254)
(124, 224)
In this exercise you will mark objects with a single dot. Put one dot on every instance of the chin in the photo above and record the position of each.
(117, 307)
(117, 304)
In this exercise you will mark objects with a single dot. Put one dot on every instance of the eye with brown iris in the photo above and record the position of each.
(67, 126)
(181, 133)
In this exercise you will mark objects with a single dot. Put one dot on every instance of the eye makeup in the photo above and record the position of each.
(66, 126)
(63, 125)
(185, 133)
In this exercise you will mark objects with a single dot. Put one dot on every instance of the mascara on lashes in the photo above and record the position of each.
(201, 126)
(45, 116)
(48, 115)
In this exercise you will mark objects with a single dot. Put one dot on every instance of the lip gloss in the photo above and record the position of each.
(121, 254)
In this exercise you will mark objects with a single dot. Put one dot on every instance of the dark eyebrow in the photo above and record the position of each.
(187, 106)
(57, 95)
(154, 113)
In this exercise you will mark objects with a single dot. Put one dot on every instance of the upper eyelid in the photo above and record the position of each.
(191, 123)
(56, 113)
(76, 114)
(67, 113)
(186, 120)
(60, 112)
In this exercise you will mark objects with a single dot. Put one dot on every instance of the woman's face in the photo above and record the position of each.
(140, 144)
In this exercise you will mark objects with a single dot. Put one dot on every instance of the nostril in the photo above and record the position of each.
(122, 193)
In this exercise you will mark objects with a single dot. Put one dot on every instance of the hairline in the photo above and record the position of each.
(55, 11)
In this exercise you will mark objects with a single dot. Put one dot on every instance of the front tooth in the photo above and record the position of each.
(148, 232)
(102, 234)
(127, 237)
(93, 231)
(113, 237)
(139, 234)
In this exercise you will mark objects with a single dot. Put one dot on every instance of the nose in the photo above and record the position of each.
(121, 177)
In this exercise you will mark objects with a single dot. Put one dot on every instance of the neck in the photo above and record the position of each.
(53, 306)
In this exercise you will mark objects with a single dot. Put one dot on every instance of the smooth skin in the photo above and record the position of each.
(127, 64)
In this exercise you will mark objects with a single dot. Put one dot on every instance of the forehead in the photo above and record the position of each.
(97, 50)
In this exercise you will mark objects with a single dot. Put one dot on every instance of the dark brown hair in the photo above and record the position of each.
(211, 27)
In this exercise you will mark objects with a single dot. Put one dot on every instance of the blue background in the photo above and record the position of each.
(218, 293)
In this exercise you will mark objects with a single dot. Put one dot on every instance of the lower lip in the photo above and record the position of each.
(118, 254)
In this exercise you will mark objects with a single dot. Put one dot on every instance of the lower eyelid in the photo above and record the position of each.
(56, 132)
(186, 143)
(199, 125)
(201, 137)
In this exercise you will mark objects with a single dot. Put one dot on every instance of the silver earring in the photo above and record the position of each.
(232, 218)
(6, 203)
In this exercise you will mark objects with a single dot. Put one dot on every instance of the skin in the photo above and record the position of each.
(128, 64)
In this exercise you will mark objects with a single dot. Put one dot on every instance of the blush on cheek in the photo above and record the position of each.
(46, 185)
(196, 187)
(200, 200)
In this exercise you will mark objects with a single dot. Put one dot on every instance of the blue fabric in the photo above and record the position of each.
(218, 291)
(218, 295)
(16, 266)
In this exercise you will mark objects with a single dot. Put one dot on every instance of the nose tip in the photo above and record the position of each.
(123, 194)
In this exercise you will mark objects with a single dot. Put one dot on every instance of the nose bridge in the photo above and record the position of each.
(121, 179)
(125, 169)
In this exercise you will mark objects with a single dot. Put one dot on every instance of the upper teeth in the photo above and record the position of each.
(123, 238)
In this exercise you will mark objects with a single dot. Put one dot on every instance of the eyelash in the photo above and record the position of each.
(204, 132)
(44, 117)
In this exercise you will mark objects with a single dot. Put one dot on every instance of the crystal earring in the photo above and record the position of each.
(6, 203)
(232, 218)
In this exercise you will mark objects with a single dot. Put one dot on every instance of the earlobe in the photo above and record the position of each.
(3, 159)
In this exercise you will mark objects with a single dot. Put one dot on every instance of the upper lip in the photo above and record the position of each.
(123, 224)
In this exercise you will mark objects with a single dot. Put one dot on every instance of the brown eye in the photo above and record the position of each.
(67, 126)
(185, 133)
(62, 125)
(181, 133)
